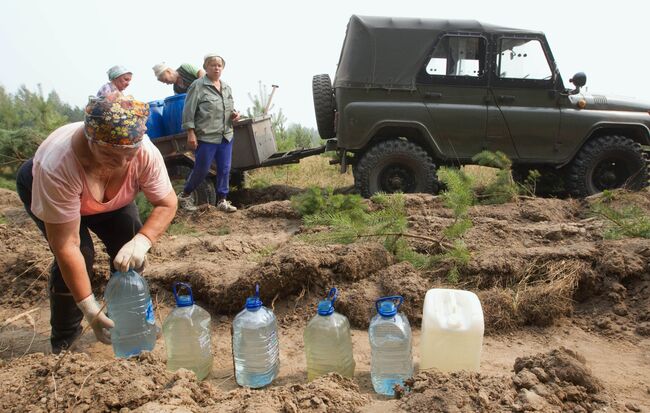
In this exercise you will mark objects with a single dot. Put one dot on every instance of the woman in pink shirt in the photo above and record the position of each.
(84, 177)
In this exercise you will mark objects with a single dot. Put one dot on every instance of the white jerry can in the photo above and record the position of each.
(452, 331)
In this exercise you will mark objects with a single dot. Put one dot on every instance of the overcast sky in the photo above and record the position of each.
(69, 45)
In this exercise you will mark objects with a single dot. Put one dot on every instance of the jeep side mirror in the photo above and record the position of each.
(578, 80)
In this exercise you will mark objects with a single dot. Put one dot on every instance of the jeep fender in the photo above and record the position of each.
(415, 132)
(638, 132)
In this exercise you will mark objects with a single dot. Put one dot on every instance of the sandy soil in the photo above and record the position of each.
(567, 313)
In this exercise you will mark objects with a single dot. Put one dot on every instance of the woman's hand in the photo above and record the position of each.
(235, 115)
(133, 254)
(96, 318)
(192, 143)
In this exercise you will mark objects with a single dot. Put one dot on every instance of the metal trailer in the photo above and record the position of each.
(254, 147)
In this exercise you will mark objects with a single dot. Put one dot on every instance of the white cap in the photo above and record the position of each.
(160, 68)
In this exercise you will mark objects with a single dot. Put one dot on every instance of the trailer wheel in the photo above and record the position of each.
(607, 162)
(203, 194)
(324, 105)
(396, 166)
(237, 179)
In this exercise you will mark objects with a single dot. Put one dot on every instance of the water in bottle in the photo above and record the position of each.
(452, 331)
(390, 345)
(328, 344)
(187, 335)
(255, 347)
(129, 306)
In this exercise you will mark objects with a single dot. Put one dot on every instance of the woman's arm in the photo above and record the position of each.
(163, 212)
(64, 241)
(133, 253)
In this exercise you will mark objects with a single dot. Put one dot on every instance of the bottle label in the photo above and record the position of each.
(150, 317)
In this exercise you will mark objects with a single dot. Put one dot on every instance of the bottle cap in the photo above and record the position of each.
(326, 307)
(254, 303)
(386, 306)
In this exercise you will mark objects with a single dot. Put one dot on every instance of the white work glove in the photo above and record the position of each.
(99, 322)
(132, 254)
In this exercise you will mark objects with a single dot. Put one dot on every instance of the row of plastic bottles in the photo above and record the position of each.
(452, 334)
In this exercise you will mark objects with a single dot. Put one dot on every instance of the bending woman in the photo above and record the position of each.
(84, 177)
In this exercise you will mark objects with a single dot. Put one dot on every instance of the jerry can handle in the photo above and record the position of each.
(397, 298)
(332, 295)
(182, 284)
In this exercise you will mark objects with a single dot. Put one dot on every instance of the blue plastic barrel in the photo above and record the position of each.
(155, 127)
(173, 113)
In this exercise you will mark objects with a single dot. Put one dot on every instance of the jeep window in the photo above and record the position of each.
(522, 59)
(461, 56)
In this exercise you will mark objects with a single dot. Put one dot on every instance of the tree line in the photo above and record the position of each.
(27, 117)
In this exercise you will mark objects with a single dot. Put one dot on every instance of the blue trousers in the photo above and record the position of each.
(205, 153)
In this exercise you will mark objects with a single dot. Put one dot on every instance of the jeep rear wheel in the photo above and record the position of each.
(607, 162)
(203, 194)
(395, 166)
(324, 105)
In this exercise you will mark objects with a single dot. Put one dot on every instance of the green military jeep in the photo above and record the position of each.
(413, 94)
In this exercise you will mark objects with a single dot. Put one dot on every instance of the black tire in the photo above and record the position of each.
(324, 105)
(607, 162)
(237, 179)
(203, 194)
(395, 166)
(550, 183)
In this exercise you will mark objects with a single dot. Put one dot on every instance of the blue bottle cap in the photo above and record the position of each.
(254, 303)
(183, 300)
(386, 306)
(387, 309)
(326, 307)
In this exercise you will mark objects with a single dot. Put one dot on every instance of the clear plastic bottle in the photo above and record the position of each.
(129, 306)
(187, 335)
(328, 344)
(390, 344)
(255, 346)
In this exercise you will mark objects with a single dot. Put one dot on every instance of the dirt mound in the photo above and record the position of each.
(35, 384)
(293, 269)
(331, 393)
(557, 381)
(9, 199)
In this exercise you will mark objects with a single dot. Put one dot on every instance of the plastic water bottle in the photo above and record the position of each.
(255, 347)
(129, 306)
(390, 344)
(328, 344)
(187, 335)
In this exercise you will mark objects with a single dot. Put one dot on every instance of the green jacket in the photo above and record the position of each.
(208, 111)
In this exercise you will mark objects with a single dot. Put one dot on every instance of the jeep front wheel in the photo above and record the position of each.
(395, 166)
(607, 162)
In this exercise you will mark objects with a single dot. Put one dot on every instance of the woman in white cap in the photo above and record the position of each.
(208, 116)
(119, 78)
(181, 78)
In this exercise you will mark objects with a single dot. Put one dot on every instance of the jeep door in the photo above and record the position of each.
(453, 87)
(523, 88)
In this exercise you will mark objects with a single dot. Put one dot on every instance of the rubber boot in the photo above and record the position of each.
(65, 319)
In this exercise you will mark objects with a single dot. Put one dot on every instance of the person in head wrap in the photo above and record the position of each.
(208, 115)
(84, 177)
(119, 78)
(181, 78)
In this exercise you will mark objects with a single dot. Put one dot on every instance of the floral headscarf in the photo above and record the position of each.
(116, 120)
